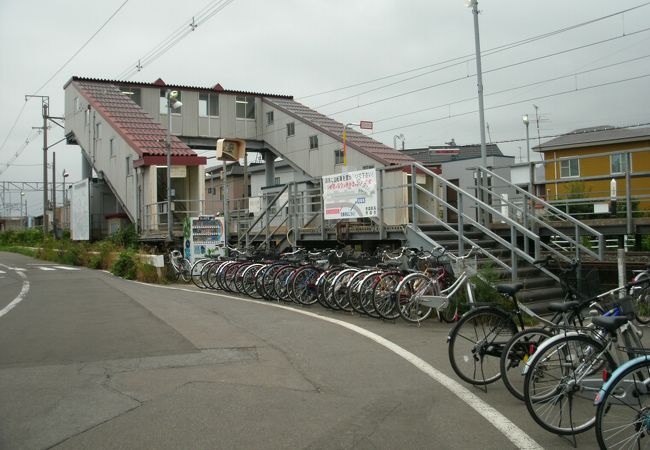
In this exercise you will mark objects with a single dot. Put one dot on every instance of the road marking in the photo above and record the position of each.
(2, 271)
(46, 268)
(511, 431)
(66, 268)
(21, 295)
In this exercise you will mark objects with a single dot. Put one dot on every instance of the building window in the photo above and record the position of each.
(77, 104)
(209, 190)
(276, 181)
(208, 105)
(291, 129)
(245, 107)
(221, 196)
(371, 166)
(313, 142)
(619, 163)
(338, 157)
(128, 166)
(269, 118)
(569, 168)
(111, 147)
(163, 102)
(134, 94)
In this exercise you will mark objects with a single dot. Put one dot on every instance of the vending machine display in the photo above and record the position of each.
(204, 237)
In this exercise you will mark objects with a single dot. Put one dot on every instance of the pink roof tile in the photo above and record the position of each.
(359, 141)
(144, 135)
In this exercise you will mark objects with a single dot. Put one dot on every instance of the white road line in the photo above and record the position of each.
(21, 295)
(46, 268)
(2, 271)
(511, 431)
(66, 268)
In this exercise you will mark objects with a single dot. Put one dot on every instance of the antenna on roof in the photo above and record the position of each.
(452, 142)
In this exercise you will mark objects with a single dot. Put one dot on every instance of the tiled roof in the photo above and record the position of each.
(604, 134)
(159, 83)
(142, 133)
(428, 156)
(359, 141)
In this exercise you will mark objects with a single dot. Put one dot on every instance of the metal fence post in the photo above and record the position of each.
(514, 263)
(461, 226)
(414, 194)
(322, 213)
(380, 201)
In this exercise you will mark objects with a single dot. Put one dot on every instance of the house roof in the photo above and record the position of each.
(359, 141)
(428, 155)
(599, 135)
(159, 83)
(141, 132)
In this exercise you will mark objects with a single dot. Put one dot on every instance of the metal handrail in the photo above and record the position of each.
(265, 212)
(565, 217)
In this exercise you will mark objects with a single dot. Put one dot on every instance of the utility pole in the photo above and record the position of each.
(45, 103)
(54, 224)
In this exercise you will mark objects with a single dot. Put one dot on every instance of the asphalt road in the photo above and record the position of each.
(88, 360)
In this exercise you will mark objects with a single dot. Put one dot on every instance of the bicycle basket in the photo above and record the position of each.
(588, 285)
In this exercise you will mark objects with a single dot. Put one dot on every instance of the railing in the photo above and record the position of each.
(154, 219)
(537, 214)
(435, 194)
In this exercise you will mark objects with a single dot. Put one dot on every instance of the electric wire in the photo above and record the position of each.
(82, 47)
(488, 52)
(523, 86)
(175, 37)
(28, 140)
(496, 69)
(20, 113)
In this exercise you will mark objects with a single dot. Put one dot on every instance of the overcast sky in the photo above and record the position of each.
(306, 47)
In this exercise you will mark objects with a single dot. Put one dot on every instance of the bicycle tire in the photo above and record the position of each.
(304, 285)
(514, 356)
(383, 295)
(186, 271)
(623, 411)
(248, 281)
(340, 287)
(409, 297)
(281, 283)
(641, 296)
(196, 272)
(562, 381)
(476, 343)
(354, 290)
(365, 294)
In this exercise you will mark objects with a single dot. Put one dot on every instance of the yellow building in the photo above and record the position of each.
(582, 163)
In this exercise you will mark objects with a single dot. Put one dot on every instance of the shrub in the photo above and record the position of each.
(147, 273)
(125, 265)
(126, 237)
(105, 256)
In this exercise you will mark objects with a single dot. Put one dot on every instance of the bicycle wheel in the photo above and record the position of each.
(186, 271)
(196, 272)
(641, 296)
(354, 290)
(281, 283)
(476, 343)
(562, 382)
(383, 295)
(340, 287)
(304, 285)
(248, 281)
(410, 304)
(365, 294)
(514, 356)
(623, 413)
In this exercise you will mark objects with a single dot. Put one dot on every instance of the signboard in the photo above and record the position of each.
(80, 211)
(365, 125)
(350, 195)
(178, 172)
(445, 151)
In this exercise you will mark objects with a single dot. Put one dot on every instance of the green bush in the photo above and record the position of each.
(126, 237)
(125, 265)
(147, 273)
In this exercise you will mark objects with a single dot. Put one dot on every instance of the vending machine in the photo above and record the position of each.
(203, 237)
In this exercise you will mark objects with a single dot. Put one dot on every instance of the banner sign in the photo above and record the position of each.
(350, 195)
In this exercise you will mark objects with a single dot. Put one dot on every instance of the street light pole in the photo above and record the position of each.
(22, 200)
(172, 103)
(64, 212)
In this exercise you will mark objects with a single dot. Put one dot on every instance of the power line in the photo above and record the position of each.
(83, 46)
(20, 113)
(581, 47)
(515, 103)
(175, 37)
(28, 140)
(535, 83)
(483, 53)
